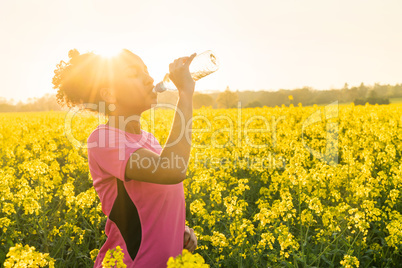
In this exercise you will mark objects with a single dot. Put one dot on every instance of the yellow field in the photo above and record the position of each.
(278, 187)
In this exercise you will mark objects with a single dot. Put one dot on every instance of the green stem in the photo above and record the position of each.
(301, 225)
(319, 256)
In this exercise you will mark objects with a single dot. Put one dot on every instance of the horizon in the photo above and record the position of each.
(261, 45)
(208, 91)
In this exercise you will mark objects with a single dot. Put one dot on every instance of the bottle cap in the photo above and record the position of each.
(159, 87)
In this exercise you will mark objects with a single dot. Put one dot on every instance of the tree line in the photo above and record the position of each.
(360, 95)
(47, 102)
(307, 96)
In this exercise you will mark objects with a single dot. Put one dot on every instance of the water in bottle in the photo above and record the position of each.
(201, 66)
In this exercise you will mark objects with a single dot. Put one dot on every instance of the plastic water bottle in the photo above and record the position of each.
(201, 66)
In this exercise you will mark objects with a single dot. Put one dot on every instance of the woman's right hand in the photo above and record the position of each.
(180, 75)
(178, 146)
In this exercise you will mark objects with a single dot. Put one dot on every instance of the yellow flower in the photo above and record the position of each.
(114, 258)
(186, 259)
(350, 261)
(26, 256)
(94, 253)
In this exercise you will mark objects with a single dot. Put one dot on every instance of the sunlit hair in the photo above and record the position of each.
(80, 79)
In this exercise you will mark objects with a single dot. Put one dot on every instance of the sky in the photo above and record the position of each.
(261, 45)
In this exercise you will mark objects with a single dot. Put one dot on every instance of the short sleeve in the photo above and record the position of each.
(110, 151)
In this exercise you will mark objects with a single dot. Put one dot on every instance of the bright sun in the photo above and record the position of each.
(107, 51)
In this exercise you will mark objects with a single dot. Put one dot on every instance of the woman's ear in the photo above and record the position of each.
(107, 94)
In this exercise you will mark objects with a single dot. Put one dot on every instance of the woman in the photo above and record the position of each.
(138, 182)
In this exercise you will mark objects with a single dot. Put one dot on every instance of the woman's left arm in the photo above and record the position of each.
(190, 240)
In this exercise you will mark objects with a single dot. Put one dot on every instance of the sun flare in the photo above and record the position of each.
(107, 52)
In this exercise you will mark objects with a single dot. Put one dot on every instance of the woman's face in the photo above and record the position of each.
(133, 85)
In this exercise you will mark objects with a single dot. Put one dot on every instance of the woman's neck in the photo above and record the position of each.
(130, 124)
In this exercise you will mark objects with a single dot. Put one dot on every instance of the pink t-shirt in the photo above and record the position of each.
(146, 220)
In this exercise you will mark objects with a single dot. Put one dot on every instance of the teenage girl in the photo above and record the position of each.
(139, 183)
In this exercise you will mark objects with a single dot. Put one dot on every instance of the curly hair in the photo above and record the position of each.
(80, 79)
